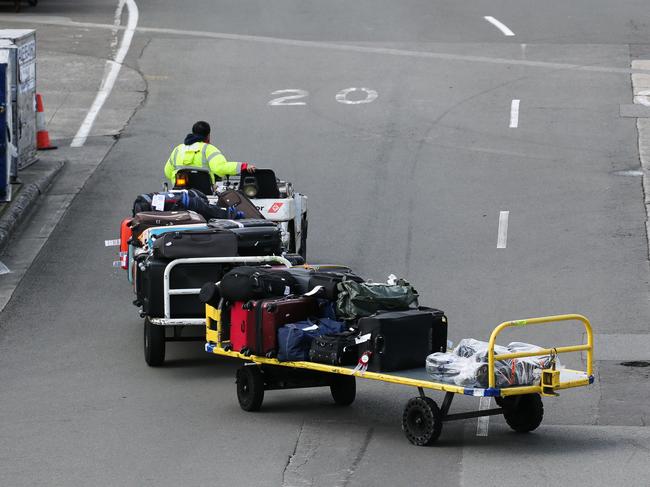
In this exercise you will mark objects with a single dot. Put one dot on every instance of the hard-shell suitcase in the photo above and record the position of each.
(125, 236)
(254, 324)
(150, 291)
(149, 236)
(241, 202)
(399, 340)
(254, 236)
(196, 243)
(148, 219)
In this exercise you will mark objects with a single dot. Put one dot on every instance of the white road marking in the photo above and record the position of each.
(342, 96)
(111, 243)
(483, 423)
(502, 237)
(4, 269)
(499, 25)
(514, 114)
(66, 22)
(116, 23)
(110, 77)
(283, 100)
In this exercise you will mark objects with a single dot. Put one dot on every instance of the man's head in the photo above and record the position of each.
(202, 129)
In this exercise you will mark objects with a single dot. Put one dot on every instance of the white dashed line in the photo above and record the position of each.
(514, 114)
(110, 77)
(502, 238)
(484, 421)
(499, 25)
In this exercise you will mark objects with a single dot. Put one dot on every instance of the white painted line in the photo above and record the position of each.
(483, 423)
(4, 269)
(499, 25)
(514, 114)
(342, 96)
(111, 243)
(110, 77)
(67, 22)
(502, 238)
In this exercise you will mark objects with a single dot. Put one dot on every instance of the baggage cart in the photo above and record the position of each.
(422, 418)
(155, 328)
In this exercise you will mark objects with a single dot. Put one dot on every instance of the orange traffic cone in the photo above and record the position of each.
(42, 135)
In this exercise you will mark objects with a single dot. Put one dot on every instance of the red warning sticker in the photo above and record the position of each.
(275, 207)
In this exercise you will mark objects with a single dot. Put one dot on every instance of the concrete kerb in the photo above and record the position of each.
(28, 196)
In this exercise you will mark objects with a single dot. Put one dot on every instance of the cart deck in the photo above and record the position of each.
(422, 419)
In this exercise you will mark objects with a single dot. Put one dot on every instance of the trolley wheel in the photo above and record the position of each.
(154, 344)
(344, 389)
(422, 421)
(250, 387)
(522, 413)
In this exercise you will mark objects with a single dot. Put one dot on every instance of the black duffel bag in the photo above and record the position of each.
(246, 283)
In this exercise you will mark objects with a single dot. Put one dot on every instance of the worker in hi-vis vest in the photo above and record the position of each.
(197, 151)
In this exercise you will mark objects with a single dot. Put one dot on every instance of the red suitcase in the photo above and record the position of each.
(254, 324)
(125, 236)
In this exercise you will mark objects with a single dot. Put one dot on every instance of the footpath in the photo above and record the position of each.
(68, 78)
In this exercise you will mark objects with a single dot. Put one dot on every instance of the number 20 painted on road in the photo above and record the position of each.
(292, 95)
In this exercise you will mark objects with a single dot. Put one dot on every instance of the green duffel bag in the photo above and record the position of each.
(360, 299)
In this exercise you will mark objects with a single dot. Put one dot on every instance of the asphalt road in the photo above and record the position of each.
(412, 183)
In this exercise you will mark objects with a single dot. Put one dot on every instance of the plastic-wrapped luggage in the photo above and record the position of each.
(467, 365)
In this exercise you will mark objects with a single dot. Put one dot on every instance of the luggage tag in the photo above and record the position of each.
(158, 202)
(362, 365)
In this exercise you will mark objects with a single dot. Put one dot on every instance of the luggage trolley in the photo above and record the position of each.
(155, 335)
(422, 418)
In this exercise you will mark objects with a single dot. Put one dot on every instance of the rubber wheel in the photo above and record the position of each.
(154, 344)
(522, 413)
(422, 421)
(344, 389)
(250, 387)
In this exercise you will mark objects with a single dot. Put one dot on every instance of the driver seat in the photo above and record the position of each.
(194, 178)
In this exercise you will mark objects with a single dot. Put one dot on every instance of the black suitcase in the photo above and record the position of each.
(149, 287)
(337, 349)
(401, 340)
(246, 283)
(254, 236)
(203, 243)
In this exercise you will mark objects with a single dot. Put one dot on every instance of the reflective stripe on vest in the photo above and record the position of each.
(205, 161)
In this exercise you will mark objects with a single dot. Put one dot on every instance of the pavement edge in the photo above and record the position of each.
(27, 198)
